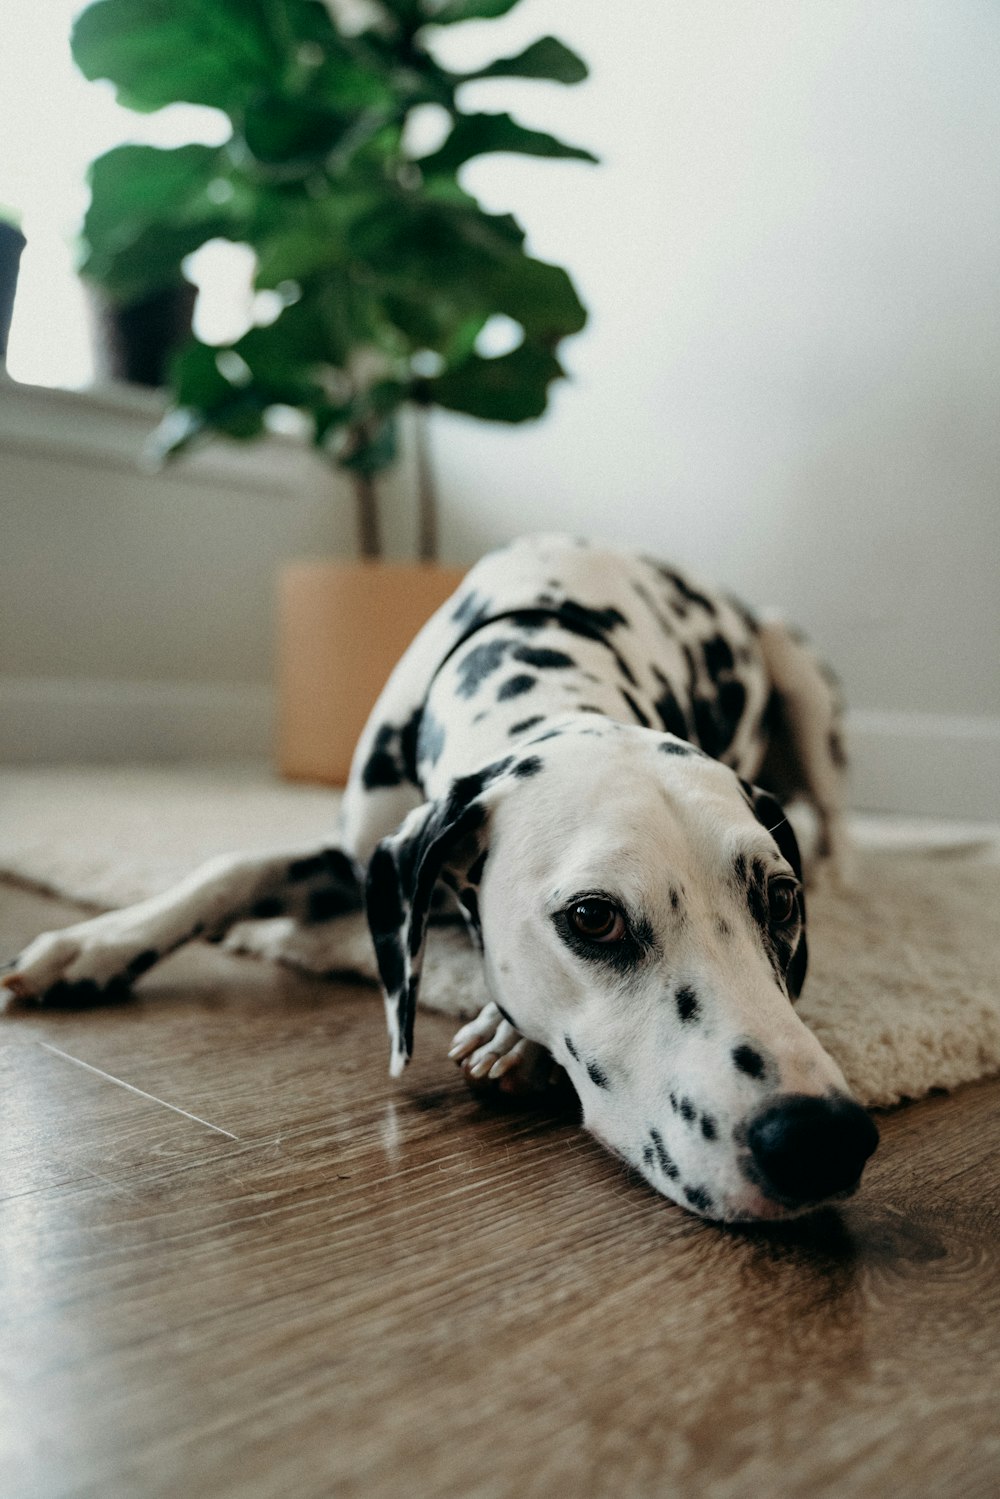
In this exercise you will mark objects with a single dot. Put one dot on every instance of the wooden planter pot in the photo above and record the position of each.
(342, 626)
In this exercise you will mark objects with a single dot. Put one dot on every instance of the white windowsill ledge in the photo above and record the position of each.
(108, 426)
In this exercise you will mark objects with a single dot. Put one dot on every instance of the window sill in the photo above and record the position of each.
(108, 427)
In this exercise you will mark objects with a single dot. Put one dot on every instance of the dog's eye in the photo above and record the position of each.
(781, 903)
(597, 920)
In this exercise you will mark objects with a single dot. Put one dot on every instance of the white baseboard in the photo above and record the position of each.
(49, 721)
(925, 764)
(915, 764)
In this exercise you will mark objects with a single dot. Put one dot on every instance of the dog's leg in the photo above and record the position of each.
(806, 755)
(108, 952)
(491, 1050)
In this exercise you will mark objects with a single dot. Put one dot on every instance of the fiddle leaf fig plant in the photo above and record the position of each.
(384, 269)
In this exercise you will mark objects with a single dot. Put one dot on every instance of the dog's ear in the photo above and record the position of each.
(767, 811)
(443, 839)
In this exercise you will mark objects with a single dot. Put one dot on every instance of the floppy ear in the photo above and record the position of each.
(767, 811)
(441, 839)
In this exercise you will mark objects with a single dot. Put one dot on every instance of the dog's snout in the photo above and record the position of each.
(806, 1149)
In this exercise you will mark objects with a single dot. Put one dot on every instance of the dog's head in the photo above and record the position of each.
(642, 917)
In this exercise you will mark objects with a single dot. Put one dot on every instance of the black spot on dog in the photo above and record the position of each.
(466, 788)
(588, 708)
(382, 768)
(408, 735)
(673, 1102)
(325, 904)
(479, 663)
(268, 905)
(687, 1111)
(79, 994)
(669, 711)
(717, 718)
(684, 589)
(515, 687)
(688, 1006)
(524, 725)
(604, 620)
(675, 899)
(391, 967)
(708, 1127)
(385, 906)
(475, 874)
(472, 609)
(723, 928)
(634, 708)
(529, 620)
(528, 767)
(542, 658)
(718, 656)
(673, 747)
(571, 1048)
(142, 962)
(430, 739)
(597, 1076)
(648, 1154)
(406, 1010)
(306, 869)
(663, 1156)
(746, 1060)
(699, 1198)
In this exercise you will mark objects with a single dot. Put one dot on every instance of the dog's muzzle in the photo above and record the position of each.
(805, 1149)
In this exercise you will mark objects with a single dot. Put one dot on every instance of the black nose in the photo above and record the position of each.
(806, 1149)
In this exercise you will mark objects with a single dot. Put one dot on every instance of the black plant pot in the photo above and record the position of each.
(12, 242)
(135, 341)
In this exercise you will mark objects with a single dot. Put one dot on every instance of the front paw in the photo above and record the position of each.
(78, 965)
(492, 1053)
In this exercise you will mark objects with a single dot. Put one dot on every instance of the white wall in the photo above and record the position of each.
(790, 377)
(789, 380)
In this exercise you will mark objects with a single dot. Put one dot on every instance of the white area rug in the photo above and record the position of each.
(903, 988)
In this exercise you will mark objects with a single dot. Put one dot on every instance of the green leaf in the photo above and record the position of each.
(314, 331)
(130, 185)
(196, 378)
(206, 402)
(539, 296)
(148, 209)
(513, 388)
(158, 52)
(281, 130)
(546, 58)
(465, 10)
(479, 134)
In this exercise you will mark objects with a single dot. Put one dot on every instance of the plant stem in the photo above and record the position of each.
(366, 509)
(427, 500)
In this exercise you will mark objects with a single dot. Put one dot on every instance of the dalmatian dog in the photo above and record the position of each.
(582, 749)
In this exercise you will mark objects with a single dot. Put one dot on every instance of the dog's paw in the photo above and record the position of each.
(80, 964)
(492, 1052)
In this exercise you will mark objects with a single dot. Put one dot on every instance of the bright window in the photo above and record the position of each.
(52, 124)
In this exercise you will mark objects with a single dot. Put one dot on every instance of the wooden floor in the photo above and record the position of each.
(237, 1260)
